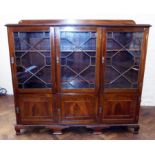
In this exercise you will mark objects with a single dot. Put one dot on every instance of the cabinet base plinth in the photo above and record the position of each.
(98, 129)
(136, 130)
(17, 129)
(57, 131)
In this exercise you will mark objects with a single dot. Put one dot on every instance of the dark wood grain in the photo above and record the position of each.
(35, 107)
(78, 109)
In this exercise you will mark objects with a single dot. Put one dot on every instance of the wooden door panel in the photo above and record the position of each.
(78, 108)
(35, 108)
(119, 106)
(119, 109)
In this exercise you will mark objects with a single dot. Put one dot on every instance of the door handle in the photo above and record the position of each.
(57, 60)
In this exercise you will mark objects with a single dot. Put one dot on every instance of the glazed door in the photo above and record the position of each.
(78, 53)
(32, 63)
(32, 58)
(121, 70)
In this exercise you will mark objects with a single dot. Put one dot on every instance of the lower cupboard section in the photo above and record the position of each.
(77, 109)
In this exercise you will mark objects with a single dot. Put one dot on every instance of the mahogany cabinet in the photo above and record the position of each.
(77, 73)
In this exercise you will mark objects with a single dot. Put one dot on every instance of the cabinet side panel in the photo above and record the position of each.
(13, 69)
(143, 58)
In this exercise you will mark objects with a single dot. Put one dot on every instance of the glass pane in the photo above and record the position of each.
(78, 56)
(33, 59)
(122, 59)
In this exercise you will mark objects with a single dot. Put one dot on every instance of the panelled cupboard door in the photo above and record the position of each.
(35, 108)
(77, 109)
(119, 107)
(121, 69)
(78, 54)
(32, 58)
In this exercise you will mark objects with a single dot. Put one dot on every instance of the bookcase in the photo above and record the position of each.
(77, 73)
